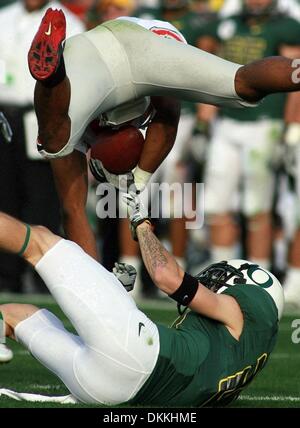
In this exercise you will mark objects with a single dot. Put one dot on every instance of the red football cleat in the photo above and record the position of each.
(47, 46)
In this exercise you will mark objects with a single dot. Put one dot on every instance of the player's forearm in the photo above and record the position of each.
(159, 141)
(160, 138)
(78, 229)
(160, 264)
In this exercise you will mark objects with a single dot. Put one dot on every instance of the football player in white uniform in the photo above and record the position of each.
(110, 73)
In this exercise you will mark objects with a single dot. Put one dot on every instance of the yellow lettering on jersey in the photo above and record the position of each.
(231, 386)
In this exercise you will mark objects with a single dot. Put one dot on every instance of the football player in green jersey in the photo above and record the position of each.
(119, 355)
(244, 143)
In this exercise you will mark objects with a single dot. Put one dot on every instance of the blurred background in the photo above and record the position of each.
(249, 160)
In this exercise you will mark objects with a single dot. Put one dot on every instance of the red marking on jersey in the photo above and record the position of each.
(166, 32)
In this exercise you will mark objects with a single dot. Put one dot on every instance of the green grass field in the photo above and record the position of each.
(277, 386)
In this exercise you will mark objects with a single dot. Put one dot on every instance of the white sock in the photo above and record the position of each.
(219, 253)
(264, 263)
(291, 287)
(280, 253)
(292, 277)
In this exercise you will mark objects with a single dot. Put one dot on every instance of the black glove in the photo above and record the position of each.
(126, 274)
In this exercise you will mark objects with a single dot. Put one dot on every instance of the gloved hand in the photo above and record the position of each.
(123, 182)
(292, 142)
(136, 211)
(5, 129)
(126, 274)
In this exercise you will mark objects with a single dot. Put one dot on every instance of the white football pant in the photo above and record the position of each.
(240, 159)
(120, 62)
(116, 347)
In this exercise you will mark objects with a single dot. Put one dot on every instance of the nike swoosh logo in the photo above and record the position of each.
(140, 327)
(49, 30)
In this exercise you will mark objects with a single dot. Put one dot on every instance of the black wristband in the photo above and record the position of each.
(186, 291)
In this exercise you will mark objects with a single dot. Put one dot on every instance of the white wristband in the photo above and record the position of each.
(292, 134)
(141, 178)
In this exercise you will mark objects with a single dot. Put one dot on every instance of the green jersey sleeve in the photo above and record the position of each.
(259, 310)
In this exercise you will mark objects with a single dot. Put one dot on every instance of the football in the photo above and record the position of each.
(119, 150)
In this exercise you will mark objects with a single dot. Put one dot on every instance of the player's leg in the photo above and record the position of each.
(30, 242)
(122, 342)
(52, 111)
(259, 143)
(6, 354)
(118, 337)
(71, 84)
(52, 91)
(221, 180)
(170, 68)
(44, 335)
(292, 279)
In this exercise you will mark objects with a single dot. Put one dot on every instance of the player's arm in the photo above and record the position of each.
(169, 277)
(160, 138)
(70, 175)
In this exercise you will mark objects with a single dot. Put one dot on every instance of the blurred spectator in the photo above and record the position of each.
(78, 7)
(6, 2)
(292, 163)
(26, 185)
(173, 169)
(104, 10)
(205, 6)
(244, 142)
